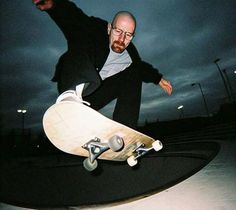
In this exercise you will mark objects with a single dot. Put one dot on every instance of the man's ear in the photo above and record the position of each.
(109, 28)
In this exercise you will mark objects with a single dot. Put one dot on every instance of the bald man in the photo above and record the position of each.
(101, 63)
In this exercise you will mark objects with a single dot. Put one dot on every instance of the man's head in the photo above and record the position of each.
(121, 31)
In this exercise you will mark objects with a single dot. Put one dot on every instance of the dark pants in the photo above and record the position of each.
(126, 87)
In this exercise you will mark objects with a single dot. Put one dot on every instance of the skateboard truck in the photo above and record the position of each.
(141, 150)
(95, 148)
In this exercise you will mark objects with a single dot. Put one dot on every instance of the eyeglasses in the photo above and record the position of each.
(118, 32)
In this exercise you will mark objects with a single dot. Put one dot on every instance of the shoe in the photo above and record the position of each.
(70, 95)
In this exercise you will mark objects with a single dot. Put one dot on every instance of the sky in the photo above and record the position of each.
(182, 38)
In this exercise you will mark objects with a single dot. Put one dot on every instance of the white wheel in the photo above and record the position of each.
(157, 145)
(89, 166)
(132, 161)
(115, 143)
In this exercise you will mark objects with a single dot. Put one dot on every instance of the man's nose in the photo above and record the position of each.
(122, 37)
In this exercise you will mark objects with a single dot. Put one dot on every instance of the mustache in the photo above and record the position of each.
(122, 44)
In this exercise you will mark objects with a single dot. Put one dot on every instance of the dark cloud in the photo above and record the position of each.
(181, 38)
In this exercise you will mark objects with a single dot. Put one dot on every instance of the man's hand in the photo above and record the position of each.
(44, 5)
(166, 86)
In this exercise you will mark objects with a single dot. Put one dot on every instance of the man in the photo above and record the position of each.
(101, 63)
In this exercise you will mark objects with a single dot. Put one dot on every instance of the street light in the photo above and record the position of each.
(229, 84)
(181, 108)
(203, 97)
(223, 79)
(22, 111)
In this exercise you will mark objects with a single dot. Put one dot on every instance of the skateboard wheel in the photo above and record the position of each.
(157, 145)
(90, 166)
(132, 161)
(115, 143)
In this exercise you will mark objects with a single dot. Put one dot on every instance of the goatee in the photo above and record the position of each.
(118, 46)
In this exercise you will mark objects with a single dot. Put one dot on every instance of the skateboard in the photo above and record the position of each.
(77, 129)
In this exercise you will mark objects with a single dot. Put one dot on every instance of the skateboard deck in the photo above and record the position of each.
(71, 125)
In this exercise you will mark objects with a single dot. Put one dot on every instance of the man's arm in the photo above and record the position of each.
(150, 74)
(69, 18)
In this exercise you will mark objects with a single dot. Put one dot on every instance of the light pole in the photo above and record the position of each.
(203, 97)
(229, 84)
(22, 112)
(223, 79)
(181, 108)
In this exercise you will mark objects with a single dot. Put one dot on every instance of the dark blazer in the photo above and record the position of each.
(88, 49)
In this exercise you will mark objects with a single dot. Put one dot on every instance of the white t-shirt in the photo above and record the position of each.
(115, 63)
